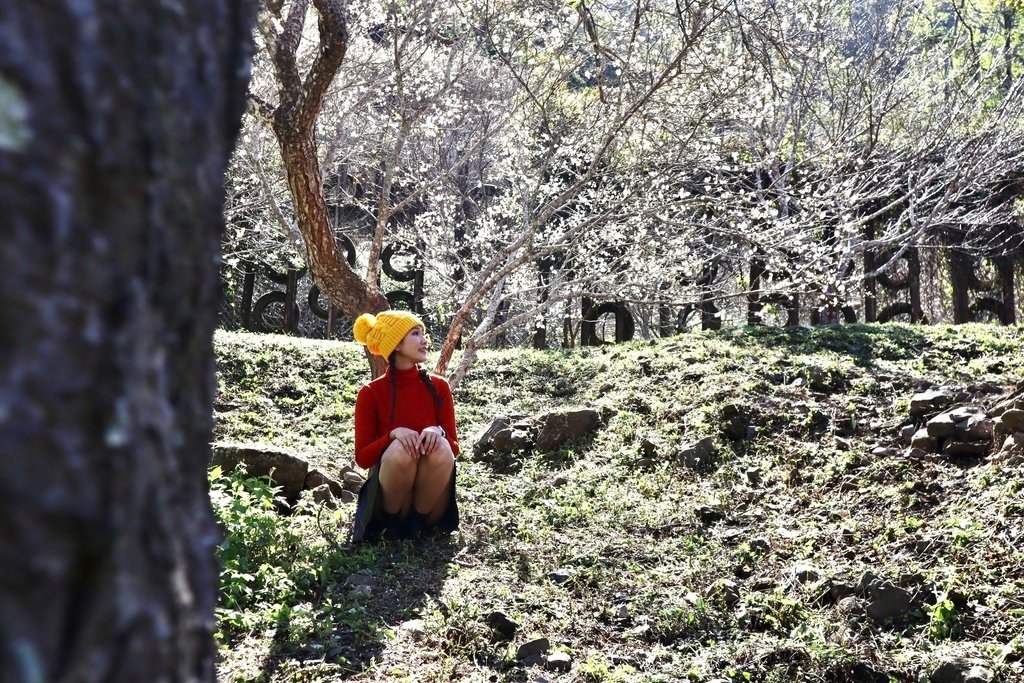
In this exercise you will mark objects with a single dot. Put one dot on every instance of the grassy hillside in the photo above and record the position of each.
(634, 563)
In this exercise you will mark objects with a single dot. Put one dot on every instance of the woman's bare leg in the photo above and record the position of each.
(433, 477)
(398, 476)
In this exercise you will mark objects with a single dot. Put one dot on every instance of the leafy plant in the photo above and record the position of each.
(943, 619)
(272, 565)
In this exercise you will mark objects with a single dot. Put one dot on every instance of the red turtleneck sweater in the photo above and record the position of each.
(415, 410)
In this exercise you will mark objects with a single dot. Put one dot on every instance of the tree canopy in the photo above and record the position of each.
(530, 154)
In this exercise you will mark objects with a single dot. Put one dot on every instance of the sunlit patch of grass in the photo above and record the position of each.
(641, 590)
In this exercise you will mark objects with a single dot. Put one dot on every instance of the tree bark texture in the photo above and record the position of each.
(116, 123)
(870, 283)
(959, 274)
(294, 123)
(328, 268)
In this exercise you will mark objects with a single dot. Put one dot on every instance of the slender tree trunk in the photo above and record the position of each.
(331, 273)
(294, 123)
(116, 122)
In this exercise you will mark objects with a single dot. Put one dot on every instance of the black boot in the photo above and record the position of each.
(417, 522)
(395, 528)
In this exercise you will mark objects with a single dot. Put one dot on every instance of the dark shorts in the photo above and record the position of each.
(370, 519)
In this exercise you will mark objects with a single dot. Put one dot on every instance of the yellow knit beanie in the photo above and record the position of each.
(381, 333)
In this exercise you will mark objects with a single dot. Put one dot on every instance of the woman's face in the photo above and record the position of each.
(413, 346)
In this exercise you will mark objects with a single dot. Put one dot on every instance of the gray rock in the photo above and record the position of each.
(907, 434)
(889, 603)
(649, 448)
(645, 463)
(324, 495)
(961, 671)
(979, 428)
(558, 661)
(353, 478)
(1012, 451)
(702, 455)
(562, 576)
(533, 648)
(966, 448)
(516, 438)
(805, 573)
(559, 481)
(1011, 421)
(316, 479)
(284, 467)
(709, 514)
(559, 428)
(726, 590)
(929, 401)
(483, 443)
(347, 497)
(942, 426)
(917, 454)
(503, 625)
(883, 451)
(921, 439)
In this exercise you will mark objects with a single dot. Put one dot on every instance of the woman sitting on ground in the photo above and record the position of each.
(405, 433)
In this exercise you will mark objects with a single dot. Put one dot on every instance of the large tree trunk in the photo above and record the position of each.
(116, 122)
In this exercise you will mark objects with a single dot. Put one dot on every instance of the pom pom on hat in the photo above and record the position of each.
(364, 324)
(383, 332)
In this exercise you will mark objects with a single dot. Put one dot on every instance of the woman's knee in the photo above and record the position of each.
(396, 459)
(444, 448)
(441, 458)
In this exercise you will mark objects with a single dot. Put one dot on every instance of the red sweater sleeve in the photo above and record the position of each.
(446, 413)
(369, 444)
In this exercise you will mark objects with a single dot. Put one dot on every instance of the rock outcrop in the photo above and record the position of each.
(507, 434)
(965, 431)
(287, 470)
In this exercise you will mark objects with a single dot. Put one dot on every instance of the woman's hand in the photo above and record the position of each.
(430, 438)
(409, 439)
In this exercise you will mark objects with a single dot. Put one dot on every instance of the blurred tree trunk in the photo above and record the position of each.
(116, 123)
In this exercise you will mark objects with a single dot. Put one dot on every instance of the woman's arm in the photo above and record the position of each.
(446, 414)
(369, 443)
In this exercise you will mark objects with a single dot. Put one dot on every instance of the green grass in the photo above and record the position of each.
(649, 598)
